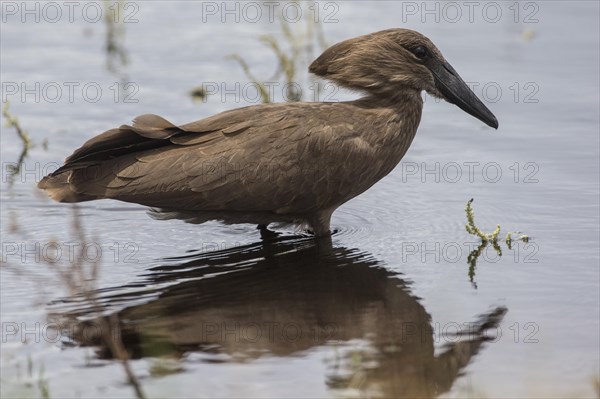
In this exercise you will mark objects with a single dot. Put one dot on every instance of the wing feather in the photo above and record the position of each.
(271, 157)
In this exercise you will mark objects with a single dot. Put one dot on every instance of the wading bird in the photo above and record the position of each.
(290, 163)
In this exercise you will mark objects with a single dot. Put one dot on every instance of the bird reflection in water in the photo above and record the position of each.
(282, 297)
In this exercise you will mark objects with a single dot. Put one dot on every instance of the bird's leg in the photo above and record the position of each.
(265, 233)
(321, 232)
(319, 223)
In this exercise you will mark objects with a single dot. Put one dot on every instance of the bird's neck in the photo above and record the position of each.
(402, 101)
(393, 123)
(401, 112)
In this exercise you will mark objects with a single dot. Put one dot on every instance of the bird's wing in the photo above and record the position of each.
(272, 157)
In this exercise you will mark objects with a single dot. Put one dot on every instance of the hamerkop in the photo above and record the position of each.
(290, 163)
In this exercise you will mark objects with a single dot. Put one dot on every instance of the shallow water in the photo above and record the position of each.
(373, 312)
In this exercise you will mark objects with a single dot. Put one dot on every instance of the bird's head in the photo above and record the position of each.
(394, 60)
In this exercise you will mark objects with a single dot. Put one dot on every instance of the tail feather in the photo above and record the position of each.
(59, 189)
(147, 132)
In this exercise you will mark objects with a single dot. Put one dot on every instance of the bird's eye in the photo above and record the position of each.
(420, 52)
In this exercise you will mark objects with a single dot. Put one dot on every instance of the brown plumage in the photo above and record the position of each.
(287, 163)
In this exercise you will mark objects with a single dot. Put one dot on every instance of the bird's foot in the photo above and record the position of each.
(321, 233)
(265, 233)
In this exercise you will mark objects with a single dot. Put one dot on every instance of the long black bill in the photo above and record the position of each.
(456, 91)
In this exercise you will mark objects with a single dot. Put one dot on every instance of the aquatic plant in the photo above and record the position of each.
(264, 92)
(13, 121)
(486, 238)
(198, 93)
(116, 53)
(492, 237)
(476, 231)
(43, 384)
(78, 274)
(292, 55)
